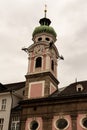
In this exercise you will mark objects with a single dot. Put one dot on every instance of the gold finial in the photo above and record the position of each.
(45, 10)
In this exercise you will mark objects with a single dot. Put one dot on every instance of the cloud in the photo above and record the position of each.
(19, 18)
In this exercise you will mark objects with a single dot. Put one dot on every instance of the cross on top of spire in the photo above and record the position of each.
(45, 11)
(45, 21)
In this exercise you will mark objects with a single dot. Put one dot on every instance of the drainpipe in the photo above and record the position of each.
(10, 109)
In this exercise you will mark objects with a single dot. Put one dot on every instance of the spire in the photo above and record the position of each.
(45, 21)
(45, 11)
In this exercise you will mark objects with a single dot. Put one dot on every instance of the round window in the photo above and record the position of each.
(47, 39)
(84, 122)
(61, 124)
(34, 125)
(40, 38)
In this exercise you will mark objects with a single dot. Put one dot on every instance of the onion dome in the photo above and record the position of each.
(44, 27)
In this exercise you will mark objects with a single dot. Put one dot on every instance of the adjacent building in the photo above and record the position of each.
(10, 95)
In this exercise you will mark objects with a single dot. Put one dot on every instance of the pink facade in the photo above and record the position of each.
(31, 65)
(36, 90)
(40, 122)
(55, 118)
(44, 62)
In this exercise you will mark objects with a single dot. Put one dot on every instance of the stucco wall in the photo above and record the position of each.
(6, 113)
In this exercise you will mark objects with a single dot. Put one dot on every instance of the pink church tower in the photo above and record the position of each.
(41, 78)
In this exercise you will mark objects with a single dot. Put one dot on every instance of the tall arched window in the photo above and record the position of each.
(52, 65)
(38, 62)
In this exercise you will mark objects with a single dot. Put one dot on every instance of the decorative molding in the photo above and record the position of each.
(38, 82)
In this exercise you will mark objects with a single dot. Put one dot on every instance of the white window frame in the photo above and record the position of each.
(3, 106)
(14, 125)
(15, 121)
(1, 123)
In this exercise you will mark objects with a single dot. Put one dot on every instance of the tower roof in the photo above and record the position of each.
(44, 27)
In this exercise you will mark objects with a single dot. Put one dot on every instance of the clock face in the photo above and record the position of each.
(38, 49)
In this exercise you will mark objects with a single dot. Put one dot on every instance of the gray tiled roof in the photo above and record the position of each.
(71, 90)
(11, 87)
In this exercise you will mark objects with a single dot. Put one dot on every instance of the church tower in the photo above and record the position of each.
(41, 78)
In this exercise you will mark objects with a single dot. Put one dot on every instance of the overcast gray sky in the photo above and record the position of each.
(18, 18)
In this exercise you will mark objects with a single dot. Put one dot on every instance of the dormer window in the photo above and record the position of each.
(38, 62)
(79, 88)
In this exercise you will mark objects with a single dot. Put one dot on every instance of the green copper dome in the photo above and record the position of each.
(44, 28)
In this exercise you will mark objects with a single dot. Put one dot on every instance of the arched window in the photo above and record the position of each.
(52, 65)
(38, 62)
